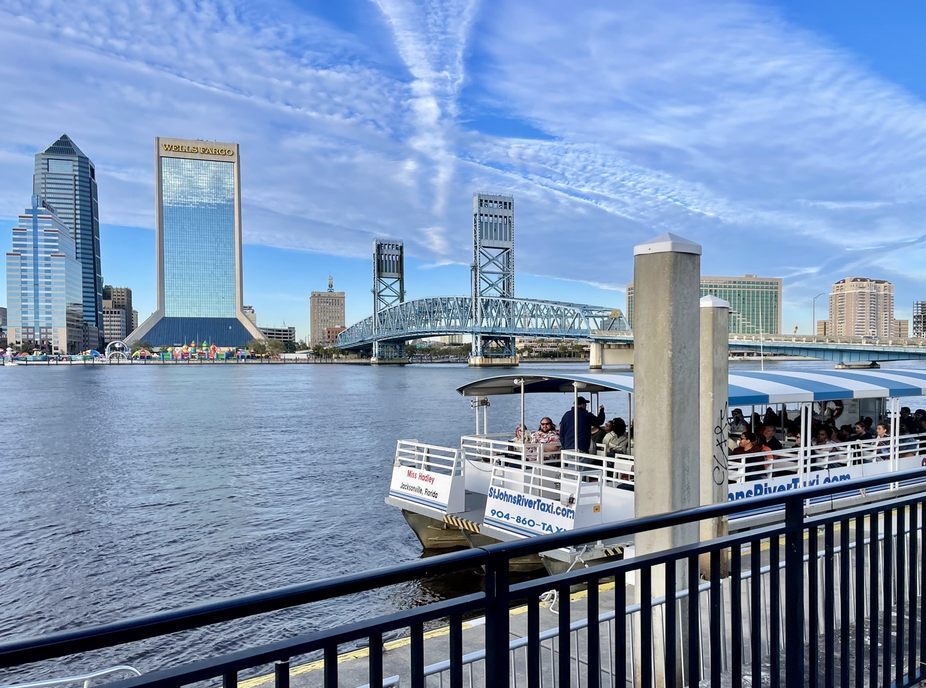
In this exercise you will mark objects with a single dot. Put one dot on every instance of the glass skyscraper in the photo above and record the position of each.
(43, 283)
(198, 225)
(755, 302)
(66, 179)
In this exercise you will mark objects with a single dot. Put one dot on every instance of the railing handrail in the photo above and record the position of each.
(79, 678)
(83, 639)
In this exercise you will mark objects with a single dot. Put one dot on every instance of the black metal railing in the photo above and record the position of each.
(768, 603)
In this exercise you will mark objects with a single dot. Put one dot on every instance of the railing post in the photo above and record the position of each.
(496, 587)
(794, 591)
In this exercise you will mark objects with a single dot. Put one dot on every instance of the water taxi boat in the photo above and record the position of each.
(493, 488)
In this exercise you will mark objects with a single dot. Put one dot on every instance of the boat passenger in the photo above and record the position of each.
(738, 424)
(824, 446)
(883, 445)
(768, 437)
(547, 435)
(757, 456)
(579, 437)
(617, 441)
(598, 434)
(860, 432)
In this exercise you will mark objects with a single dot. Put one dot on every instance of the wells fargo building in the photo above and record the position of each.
(198, 235)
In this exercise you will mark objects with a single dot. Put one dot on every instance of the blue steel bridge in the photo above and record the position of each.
(495, 317)
(511, 317)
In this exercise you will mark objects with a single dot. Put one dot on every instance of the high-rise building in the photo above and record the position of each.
(326, 310)
(919, 318)
(66, 179)
(901, 329)
(755, 302)
(134, 321)
(250, 313)
(198, 237)
(2, 324)
(862, 307)
(43, 283)
(117, 299)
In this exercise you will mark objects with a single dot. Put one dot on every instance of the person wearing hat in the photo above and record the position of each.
(578, 436)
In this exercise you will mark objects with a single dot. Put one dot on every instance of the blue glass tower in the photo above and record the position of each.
(43, 283)
(66, 179)
(198, 224)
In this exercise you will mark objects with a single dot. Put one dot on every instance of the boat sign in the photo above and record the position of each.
(440, 491)
(526, 515)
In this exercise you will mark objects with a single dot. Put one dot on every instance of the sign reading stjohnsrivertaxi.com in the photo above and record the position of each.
(525, 515)
(436, 490)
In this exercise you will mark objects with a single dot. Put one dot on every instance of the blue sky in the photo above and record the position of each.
(788, 138)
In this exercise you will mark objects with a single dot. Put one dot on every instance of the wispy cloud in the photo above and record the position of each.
(777, 150)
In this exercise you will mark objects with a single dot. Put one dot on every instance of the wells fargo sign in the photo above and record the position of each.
(202, 150)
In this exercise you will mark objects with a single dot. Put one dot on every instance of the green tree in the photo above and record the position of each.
(257, 346)
(275, 347)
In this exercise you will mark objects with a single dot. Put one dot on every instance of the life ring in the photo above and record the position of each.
(828, 410)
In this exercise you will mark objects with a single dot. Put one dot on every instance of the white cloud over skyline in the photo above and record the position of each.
(782, 153)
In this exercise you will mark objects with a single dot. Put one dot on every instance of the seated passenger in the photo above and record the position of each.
(860, 432)
(758, 456)
(767, 436)
(547, 436)
(883, 445)
(738, 424)
(824, 446)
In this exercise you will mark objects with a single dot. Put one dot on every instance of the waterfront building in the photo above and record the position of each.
(134, 320)
(823, 328)
(43, 283)
(118, 301)
(114, 328)
(901, 329)
(862, 307)
(331, 335)
(66, 179)
(279, 334)
(919, 318)
(326, 310)
(250, 313)
(755, 302)
(2, 324)
(198, 238)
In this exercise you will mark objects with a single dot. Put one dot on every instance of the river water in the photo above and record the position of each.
(135, 489)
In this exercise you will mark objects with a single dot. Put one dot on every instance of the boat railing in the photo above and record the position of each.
(428, 457)
(617, 470)
(85, 680)
(796, 461)
(495, 448)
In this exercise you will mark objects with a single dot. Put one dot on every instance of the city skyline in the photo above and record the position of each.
(381, 120)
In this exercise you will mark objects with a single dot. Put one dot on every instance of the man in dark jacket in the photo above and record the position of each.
(568, 434)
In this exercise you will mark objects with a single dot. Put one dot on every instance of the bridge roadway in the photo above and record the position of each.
(504, 317)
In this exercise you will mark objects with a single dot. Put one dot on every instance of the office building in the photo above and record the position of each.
(250, 313)
(66, 179)
(901, 329)
(862, 307)
(755, 302)
(118, 301)
(134, 320)
(326, 310)
(43, 284)
(919, 318)
(823, 328)
(279, 334)
(198, 240)
(2, 324)
(114, 325)
(331, 335)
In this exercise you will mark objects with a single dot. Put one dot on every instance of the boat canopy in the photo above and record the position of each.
(746, 388)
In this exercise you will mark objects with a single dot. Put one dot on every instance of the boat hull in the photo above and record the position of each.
(434, 534)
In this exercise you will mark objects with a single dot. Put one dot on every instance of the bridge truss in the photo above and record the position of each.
(498, 317)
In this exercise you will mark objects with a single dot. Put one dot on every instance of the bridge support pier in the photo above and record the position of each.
(595, 355)
(493, 361)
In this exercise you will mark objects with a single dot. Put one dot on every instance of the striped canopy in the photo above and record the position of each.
(747, 388)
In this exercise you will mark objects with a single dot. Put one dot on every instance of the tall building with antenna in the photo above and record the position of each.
(326, 315)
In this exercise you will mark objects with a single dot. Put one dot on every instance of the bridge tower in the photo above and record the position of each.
(388, 290)
(492, 275)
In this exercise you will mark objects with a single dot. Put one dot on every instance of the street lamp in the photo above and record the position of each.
(813, 310)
